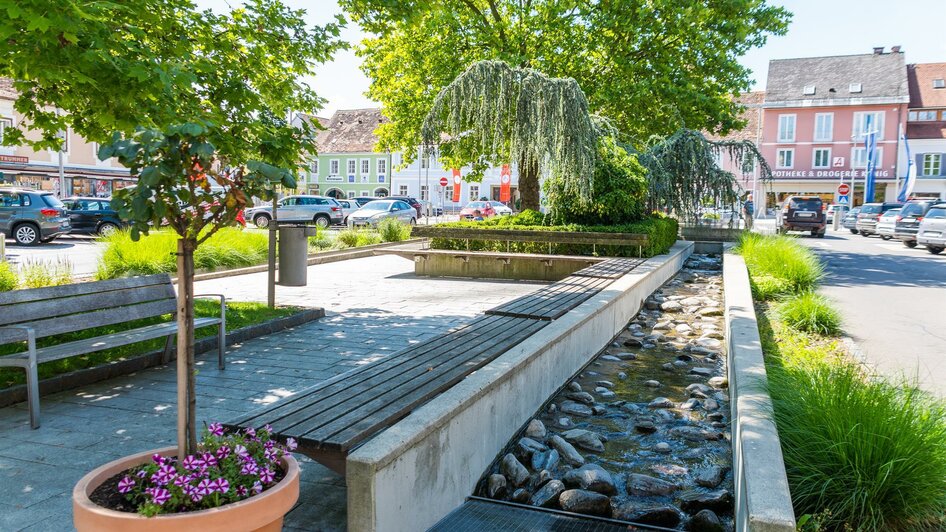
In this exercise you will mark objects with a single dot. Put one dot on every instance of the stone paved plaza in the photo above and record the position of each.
(374, 306)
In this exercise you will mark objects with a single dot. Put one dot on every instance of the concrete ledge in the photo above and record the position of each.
(414, 473)
(710, 233)
(82, 377)
(763, 500)
(491, 264)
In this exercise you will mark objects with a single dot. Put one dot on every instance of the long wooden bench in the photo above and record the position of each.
(520, 235)
(32, 314)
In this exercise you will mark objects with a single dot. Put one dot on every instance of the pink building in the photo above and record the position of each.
(816, 114)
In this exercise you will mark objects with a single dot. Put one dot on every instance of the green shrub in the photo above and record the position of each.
(155, 253)
(779, 265)
(393, 230)
(347, 238)
(8, 278)
(366, 238)
(39, 273)
(811, 313)
(860, 453)
(320, 242)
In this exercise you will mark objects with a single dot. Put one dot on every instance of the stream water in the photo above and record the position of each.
(640, 434)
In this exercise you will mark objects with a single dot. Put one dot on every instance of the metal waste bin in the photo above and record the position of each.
(293, 253)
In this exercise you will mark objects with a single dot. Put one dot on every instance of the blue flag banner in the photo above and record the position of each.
(870, 146)
(909, 179)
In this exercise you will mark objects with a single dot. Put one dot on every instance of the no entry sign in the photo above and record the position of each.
(443, 181)
(844, 189)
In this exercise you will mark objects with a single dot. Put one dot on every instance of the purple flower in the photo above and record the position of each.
(291, 444)
(223, 452)
(209, 460)
(157, 458)
(269, 444)
(268, 428)
(242, 491)
(257, 488)
(266, 475)
(191, 491)
(126, 484)
(250, 431)
(220, 485)
(164, 475)
(192, 462)
(249, 468)
(141, 474)
(216, 429)
(183, 480)
(160, 496)
(239, 450)
(203, 487)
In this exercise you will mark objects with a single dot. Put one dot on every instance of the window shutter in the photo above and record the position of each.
(942, 164)
(919, 164)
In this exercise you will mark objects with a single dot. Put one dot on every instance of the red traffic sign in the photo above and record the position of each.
(443, 181)
(844, 189)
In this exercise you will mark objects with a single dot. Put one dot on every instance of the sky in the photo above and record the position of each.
(818, 28)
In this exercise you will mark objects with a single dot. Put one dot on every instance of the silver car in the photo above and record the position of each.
(887, 223)
(32, 216)
(320, 210)
(348, 206)
(375, 211)
(932, 231)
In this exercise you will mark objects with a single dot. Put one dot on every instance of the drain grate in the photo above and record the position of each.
(479, 515)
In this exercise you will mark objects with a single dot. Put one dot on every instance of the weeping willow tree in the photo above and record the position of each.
(683, 171)
(494, 113)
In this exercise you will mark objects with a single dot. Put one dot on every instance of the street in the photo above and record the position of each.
(82, 251)
(892, 301)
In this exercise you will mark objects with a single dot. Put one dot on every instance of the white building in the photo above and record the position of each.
(421, 179)
(926, 130)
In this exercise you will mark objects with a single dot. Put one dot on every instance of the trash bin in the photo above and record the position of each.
(293, 253)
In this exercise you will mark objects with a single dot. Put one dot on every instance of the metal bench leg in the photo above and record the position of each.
(32, 380)
(222, 336)
(168, 347)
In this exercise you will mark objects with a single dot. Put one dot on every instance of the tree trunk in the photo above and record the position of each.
(186, 387)
(529, 184)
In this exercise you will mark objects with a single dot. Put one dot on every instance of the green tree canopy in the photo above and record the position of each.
(652, 67)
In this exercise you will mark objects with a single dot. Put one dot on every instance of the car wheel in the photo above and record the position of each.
(322, 221)
(934, 250)
(107, 229)
(821, 234)
(261, 221)
(853, 231)
(885, 237)
(26, 235)
(865, 233)
(909, 243)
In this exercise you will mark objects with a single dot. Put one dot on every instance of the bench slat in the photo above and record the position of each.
(554, 301)
(415, 360)
(611, 268)
(78, 289)
(547, 294)
(360, 424)
(100, 343)
(89, 320)
(514, 235)
(62, 307)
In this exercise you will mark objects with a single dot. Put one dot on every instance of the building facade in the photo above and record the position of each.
(421, 179)
(347, 164)
(816, 115)
(926, 129)
(85, 174)
(751, 115)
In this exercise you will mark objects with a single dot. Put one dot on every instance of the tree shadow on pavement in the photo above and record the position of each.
(858, 269)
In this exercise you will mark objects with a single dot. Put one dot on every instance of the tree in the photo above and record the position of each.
(652, 67)
(494, 113)
(194, 103)
(683, 172)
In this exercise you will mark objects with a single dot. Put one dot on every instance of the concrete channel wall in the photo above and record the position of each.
(763, 500)
(416, 472)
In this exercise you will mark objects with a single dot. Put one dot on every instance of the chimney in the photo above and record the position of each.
(895, 49)
(878, 50)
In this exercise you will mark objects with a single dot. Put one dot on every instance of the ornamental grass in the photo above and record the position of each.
(779, 265)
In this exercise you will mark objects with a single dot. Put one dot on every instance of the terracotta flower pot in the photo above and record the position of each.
(260, 513)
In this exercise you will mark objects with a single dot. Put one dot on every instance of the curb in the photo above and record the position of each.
(82, 377)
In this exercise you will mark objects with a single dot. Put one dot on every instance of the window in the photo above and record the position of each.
(333, 167)
(876, 120)
(944, 115)
(824, 127)
(351, 167)
(474, 192)
(939, 83)
(64, 135)
(821, 158)
(809, 90)
(449, 193)
(925, 116)
(859, 157)
(936, 212)
(786, 158)
(314, 167)
(786, 128)
(424, 162)
(402, 190)
(911, 116)
(351, 194)
(855, 88)
(932, 163)
(365, 167)
(4, 124)
(382, 167)
(424, 193)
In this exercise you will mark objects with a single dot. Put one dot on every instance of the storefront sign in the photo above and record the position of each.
(334, 179)
(879, 174)
(13, 159)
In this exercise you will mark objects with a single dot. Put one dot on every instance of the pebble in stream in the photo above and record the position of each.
(642, 433)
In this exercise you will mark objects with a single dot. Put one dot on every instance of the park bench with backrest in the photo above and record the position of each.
(524, 235)
(32, 314)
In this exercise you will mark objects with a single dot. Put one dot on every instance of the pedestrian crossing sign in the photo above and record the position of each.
(842, 200)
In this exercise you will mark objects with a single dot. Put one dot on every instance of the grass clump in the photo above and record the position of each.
(811, 313)
(347, 238)
(39, 273)
(366, 238)
(154, 253)
(8, 278)
(393, 230)
(779, 265)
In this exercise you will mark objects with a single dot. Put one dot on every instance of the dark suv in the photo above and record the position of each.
(803, 213)
(93, 216)
(31, 216)
(870, 213)
(909, 220)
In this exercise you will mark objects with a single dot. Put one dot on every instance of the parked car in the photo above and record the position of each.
(412, 202)
(321, 210)
(362, 200)
(911, 215)
(803, 213)
(32, 216)
(429, 209)
(93, 216)
(870, 213)
(850, 220)
(835, 209)
(501, 208)
(887, 223)
(348, 206)
(932, 230)
(469, 212)
(375, 211)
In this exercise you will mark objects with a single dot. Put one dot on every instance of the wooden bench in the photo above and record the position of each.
(331, 418)
(518, 235)
(28, 315)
